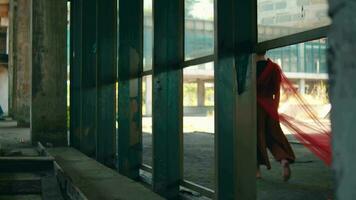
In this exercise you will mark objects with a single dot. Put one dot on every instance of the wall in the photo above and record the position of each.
(342, 71)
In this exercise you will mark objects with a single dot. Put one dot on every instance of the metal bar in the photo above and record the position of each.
(246, 112)
(188, 63)
(293, 39)
(146, 168)
(75, 73)
(235, 154)
(225, 100)
(168, 54)
(146, 73)
(198, 61)
(198, 188)
(130, 87)
(89, 79)
(187, 184)
(106, 80)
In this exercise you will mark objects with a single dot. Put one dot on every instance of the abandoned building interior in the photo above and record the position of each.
(157, 99)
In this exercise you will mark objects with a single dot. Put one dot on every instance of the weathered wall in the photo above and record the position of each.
(342, 70)
(49, 72)
(19, 56)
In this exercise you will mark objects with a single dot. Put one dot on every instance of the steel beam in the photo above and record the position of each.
(76, 42)
(235, 134)
(89, 79)
(106, 81)
(168, 96)
(296, 38)
(129, 87)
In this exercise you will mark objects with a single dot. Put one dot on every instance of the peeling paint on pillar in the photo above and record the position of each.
(342, 73)
(49, 72)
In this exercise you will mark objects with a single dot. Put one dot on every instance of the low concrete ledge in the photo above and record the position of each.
(84, 178)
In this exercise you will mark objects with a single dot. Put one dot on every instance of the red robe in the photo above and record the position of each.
(269, 133)
(313, 132)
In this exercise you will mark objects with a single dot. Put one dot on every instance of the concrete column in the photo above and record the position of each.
(49, 72)
(301, 59)
(342, 73)
(19, 61)
(201, 92)
(302, 86)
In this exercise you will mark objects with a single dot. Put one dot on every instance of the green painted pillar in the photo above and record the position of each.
(167, 96)
(106, 81)
(89, 78)
(235, 100)
(129, 87)
(76, 61)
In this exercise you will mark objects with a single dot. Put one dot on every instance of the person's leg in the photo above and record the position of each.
(262, 155)
(280, 148)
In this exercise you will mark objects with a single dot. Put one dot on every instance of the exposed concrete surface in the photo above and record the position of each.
(14, 138)
(311, 179)
(97, 181)
(342, 73)
(49, 72)
(20, 61)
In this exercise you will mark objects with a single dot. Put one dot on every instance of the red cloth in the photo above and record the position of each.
(311, 132)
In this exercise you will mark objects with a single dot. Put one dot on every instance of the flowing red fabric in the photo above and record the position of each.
(310, 130)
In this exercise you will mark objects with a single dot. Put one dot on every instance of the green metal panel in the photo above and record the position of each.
(129, 87)
(106, 81)
(246, 121)
(235, 103)
(89, 78)
(167, 96)
(225, 100)
(75, 73)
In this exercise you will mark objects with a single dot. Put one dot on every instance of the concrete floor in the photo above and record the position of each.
(13, 137)
(16, 142)
(311, 179)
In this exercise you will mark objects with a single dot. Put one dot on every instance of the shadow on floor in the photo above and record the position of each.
(311, 179)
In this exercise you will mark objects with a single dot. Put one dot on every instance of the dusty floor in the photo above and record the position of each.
(16, 141)
(311, 179)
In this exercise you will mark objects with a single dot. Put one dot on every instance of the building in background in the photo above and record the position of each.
(304, 64)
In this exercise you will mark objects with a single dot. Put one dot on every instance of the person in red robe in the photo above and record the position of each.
(269, 133)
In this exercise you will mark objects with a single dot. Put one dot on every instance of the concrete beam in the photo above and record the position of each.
(49, 72)
(19, 61)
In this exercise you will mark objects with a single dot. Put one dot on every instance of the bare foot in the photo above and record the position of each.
(286, 170)
(258, 174)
